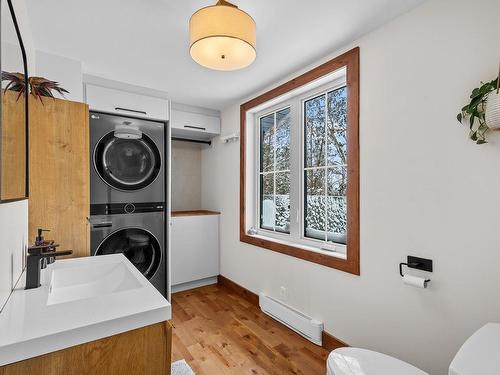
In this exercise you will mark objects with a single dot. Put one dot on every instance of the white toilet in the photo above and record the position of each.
(479, 355)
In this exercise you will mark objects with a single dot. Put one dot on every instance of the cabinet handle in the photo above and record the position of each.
(102, 225)
(194, 127)
(130, 110)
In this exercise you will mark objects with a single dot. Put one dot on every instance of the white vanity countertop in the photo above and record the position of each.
(80, 300)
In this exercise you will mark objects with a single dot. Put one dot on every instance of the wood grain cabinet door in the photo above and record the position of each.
(143, 351)
(12, 147)
(59, 180)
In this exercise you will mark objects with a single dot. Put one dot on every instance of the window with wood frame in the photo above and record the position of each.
(299, 166)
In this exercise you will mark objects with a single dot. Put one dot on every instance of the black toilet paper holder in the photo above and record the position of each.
(421, 264)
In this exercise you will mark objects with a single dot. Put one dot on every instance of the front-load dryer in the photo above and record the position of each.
(127, 159)
(137, 231)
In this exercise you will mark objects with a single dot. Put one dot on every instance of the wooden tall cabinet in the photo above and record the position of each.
(59, 177)
(13, 147)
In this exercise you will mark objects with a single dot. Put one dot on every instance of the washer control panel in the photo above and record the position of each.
(126, 208)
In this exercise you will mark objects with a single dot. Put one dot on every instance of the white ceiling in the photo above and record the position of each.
(145, 42)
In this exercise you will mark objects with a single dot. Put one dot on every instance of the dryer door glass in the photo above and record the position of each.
(138, 245)
(127, 164)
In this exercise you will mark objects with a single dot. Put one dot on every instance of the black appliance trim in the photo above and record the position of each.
(126, 208)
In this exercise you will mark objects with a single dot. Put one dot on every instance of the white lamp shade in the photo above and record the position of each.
(492, 112)
(222, 37)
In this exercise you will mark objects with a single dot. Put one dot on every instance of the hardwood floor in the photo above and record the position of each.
(218, 332)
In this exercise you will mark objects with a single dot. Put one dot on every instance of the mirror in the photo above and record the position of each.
(13, 109)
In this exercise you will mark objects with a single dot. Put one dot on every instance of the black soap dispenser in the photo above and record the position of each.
(39, 238)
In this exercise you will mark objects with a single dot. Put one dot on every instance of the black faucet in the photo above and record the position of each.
(35, 255)
(39, 241)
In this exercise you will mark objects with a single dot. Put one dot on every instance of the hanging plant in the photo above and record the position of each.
(492, 111)
(39, 86)
(473, 114)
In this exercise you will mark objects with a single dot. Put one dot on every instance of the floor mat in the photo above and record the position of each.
(181, 368)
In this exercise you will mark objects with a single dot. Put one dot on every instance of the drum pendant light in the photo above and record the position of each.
(222, 37)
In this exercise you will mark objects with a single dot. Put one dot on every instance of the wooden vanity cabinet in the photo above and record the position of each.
(59, 176)
(144, 351)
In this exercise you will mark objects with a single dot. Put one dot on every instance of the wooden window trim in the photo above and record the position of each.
(350, 60)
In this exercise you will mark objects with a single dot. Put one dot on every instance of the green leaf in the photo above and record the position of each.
(476, 109)
(475, 102)
(482, 129)
(475, 93)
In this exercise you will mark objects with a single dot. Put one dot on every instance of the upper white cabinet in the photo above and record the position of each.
(125, 103)
(194, 125)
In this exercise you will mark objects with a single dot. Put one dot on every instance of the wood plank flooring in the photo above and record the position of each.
(218, 332)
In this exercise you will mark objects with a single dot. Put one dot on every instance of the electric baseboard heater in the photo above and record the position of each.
(304, 325)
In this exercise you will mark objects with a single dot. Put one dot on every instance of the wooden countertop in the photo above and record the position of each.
(194, 213)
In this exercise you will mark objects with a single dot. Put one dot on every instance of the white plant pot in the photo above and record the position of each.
(492, 112)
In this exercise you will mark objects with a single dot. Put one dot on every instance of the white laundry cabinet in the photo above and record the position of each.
(194, 240)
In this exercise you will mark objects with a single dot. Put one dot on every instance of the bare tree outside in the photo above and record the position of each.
(325, 168)
(325, 120)
(275, 171)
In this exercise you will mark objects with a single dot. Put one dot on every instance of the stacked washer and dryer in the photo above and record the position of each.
(128, 192)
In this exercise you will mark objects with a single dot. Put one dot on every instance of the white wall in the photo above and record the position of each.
(186, 166)
(425, 190)
(67, 72)
(25, 28)
(186, 176)
(14, 235)
(11, 56)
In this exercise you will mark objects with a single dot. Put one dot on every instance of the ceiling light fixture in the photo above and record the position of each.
(222, 37)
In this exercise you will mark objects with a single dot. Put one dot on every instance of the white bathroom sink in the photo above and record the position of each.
(83, 281)
(79, 300)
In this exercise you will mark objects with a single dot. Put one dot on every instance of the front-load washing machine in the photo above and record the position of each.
(137, 232)
(127, 159)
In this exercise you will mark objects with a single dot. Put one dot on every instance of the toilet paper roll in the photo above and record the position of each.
(418, 282)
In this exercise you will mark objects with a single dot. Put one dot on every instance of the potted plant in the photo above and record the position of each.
(38, 86)
(492, 112)
(483, 111)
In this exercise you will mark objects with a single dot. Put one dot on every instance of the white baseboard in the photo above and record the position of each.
(194, 284)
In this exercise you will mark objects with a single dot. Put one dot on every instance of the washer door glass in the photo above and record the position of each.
(138, 245)
(127, 164)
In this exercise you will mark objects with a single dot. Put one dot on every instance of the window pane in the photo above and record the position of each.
(315, 137)
(337, 205)
(337, 181)
(315, 204)
(283, 140)
(267, 143)
(283, 202)
(337, 126)
(337, 219)
(267, 201)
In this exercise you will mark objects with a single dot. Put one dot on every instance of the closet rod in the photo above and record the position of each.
(191, 140)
